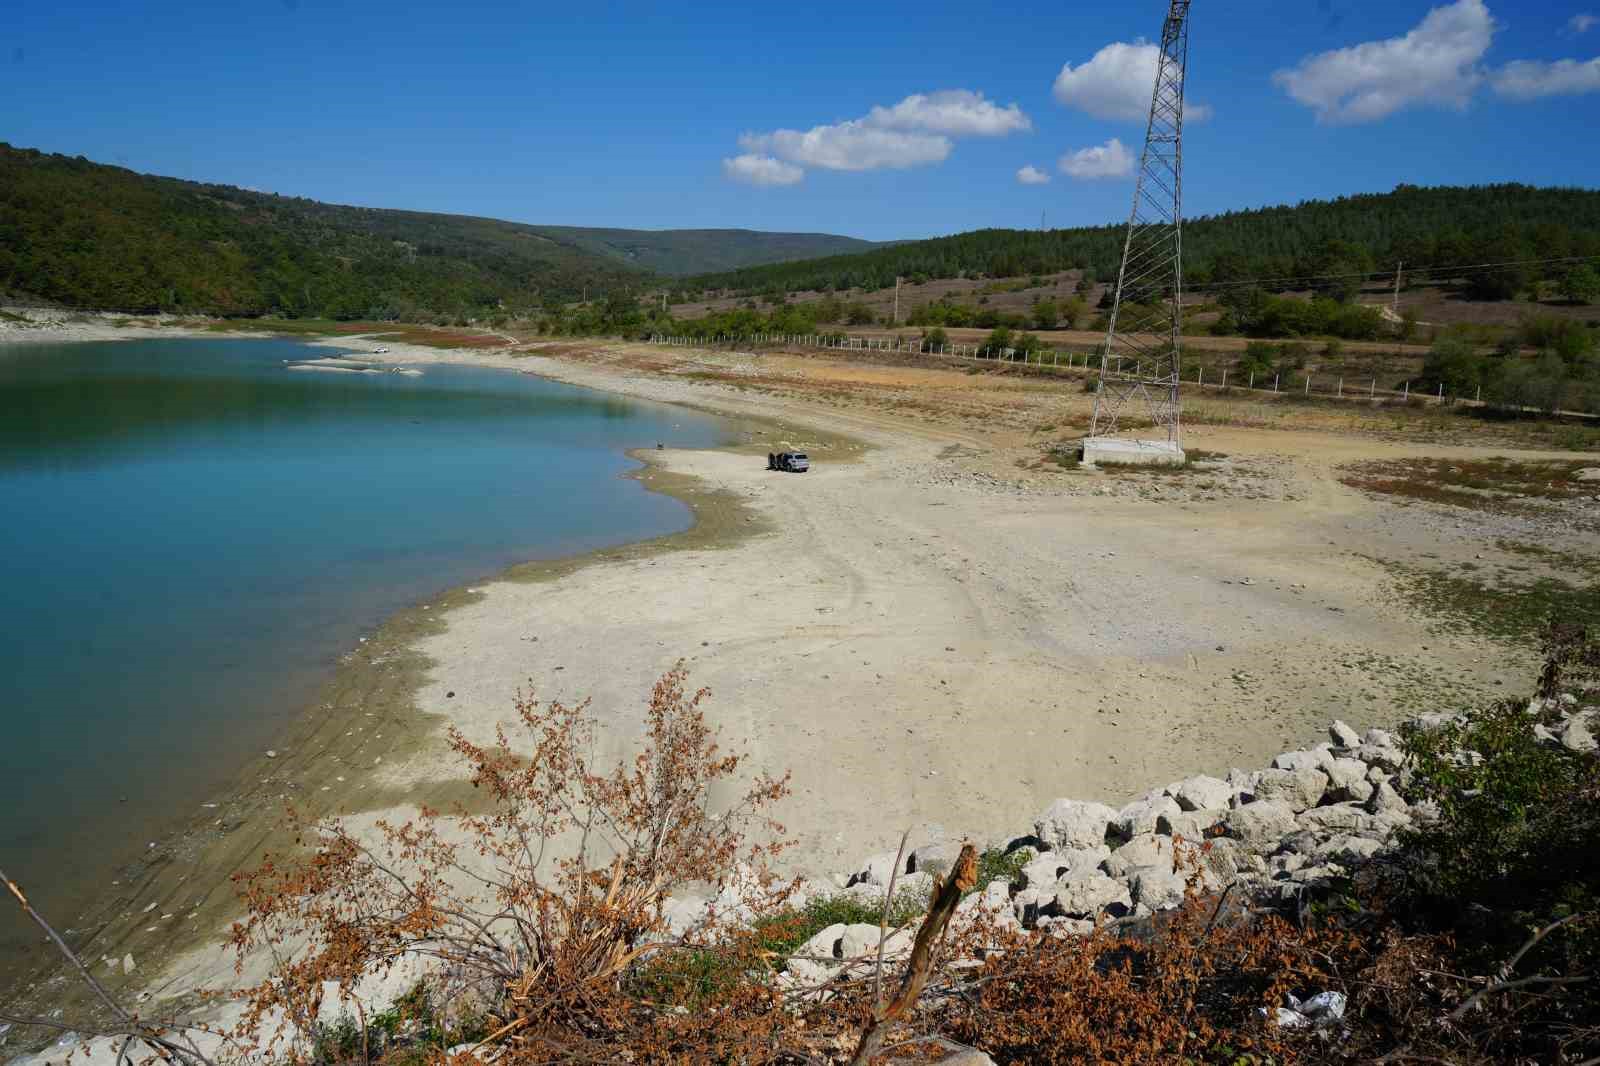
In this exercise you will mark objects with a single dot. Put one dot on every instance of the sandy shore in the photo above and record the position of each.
(921, 654)
(40, 326)
(918, 651)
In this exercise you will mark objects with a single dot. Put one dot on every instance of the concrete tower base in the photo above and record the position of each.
(1114, 451)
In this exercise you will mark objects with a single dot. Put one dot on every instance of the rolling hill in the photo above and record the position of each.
(1426, 228)
(677, 252)
(93, 236)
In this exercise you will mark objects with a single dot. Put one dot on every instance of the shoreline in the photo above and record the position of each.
(373, 686)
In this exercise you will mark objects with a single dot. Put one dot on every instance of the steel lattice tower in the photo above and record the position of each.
(1143, 340)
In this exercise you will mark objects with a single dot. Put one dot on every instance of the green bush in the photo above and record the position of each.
(1513, 846)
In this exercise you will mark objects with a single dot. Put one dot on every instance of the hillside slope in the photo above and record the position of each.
(1423, 227)
(94, 236)
(703, 251)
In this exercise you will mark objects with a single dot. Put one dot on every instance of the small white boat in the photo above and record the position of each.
(379, 351)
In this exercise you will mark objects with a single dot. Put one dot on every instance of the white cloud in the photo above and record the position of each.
(1528, 79)
(1582, 23)
(850, 146)
(761, 170)
(1117, 84)
(1032, 175)
(958, 112)
(1109, 160)
(1435, 63)
(914, 132)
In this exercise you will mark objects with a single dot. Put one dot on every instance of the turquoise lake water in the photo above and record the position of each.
(191, 535)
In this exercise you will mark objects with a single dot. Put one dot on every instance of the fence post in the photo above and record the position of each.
(1341, 388)
(1252, 380)
(1308, 384)
(1480, 395)
(1275, 378)
(1441, 392)
(1407, 395)
(1224, 378)
(1372, 393)
(1200, 379)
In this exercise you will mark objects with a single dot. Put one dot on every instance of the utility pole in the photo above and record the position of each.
(1398, 268)
(897, 299)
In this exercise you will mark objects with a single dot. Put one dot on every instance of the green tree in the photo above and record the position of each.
(1581, 285)
(1072, 312)
(998, 340)
(1045, 314)
(1454, 362)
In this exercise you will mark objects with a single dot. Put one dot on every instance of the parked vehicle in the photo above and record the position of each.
(790, 462)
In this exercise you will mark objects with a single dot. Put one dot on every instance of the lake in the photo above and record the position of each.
(191, 534)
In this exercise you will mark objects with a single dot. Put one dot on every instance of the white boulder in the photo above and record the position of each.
(1295, 789)
(1141, 815)
(1260, 823)
(1088, 896)
(1073, 824)
(1201, 793)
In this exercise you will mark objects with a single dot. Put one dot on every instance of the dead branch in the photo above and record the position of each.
(132, 1027)
(1504, 984)
(883, 921)
(947, 893)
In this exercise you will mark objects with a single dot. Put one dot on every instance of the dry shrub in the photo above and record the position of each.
(1186, 992)
(538, 908)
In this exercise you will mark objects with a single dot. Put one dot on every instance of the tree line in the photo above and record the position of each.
(1430, 230)
(100, 237)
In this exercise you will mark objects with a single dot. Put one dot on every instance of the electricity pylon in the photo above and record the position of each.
(1141, 357)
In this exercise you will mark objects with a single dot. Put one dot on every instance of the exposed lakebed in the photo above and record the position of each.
(192, 535)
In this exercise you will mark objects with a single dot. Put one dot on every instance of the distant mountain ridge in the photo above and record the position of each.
(90, 235)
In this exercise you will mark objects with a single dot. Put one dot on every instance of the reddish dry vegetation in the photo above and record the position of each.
(1483, 484)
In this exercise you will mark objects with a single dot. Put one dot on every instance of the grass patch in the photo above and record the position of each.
(693, 978)
(1495, 484)
(1064, 456)
(410, 1030)
(1507, 606)
(999, 865)
(311, 327)
(1560, 561)
(787, 931)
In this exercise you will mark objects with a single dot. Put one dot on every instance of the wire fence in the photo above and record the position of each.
(1280, 383)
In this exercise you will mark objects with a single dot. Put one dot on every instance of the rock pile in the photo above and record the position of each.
(1311, 816)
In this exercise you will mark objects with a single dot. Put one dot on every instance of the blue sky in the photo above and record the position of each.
(763, 116)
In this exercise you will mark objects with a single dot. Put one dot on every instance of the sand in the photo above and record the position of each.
(42, 326)
(956, 655)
